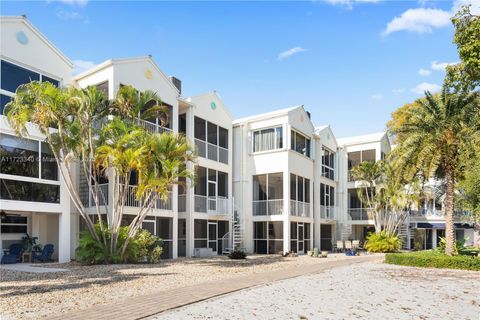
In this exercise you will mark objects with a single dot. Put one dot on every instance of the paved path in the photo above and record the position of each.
(148, 305)
(24, 267)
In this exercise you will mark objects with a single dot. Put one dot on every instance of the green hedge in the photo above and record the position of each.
(433, 259)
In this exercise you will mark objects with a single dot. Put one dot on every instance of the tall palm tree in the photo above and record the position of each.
(433, 135)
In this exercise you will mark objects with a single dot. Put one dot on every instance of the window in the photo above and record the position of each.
(14, 224)
(52, 81)
(19, 156)
(201, 185)
(328, 164)
(212, 133)
(268, 194)
(182, 123)
(217, 138)
(103, 87)
(357, 157)
(268, 237)
(299, 188)
(3, 101)
(300, 143)
(14, 76)
(223, 137)
(268, 139)
(29, 191)
(48, 163)
(327, 195)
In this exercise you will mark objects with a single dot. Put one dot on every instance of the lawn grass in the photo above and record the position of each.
(433, 259)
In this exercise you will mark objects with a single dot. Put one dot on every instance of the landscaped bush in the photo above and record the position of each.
(144, 246)
(382, 242)
(433, 259)
(237, 254)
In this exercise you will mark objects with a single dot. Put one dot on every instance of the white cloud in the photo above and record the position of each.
(424, 72)
(69, 15)
(80, 66)
(377, 97)
(440, 66)
(424, 20)
(79, 3)
(399, 90)
(349, 3)
(420, 20)
(425, 86)
(290, 52)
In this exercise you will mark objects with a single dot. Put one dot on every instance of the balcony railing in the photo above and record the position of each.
(182, 203)
(211, 205)
(437, 213)
(267, 207)
(327, 212)
(132, 201)
(299, 208)
(102, 196)
(211, 151)
(359, 213)
(151, 127)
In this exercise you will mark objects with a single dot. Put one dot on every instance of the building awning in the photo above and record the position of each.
(426, 225)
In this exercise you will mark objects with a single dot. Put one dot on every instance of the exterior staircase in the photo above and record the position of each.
(345, 231)
(234, 238)
(405, 235)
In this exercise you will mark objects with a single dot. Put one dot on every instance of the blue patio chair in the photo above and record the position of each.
(45, 255)
(14, 254)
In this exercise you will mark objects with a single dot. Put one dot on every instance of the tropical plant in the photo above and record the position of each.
(459, 245)
(435, 136)
(29, 242)
(104, 140)
(465, 75)
(387, 197)
(382, 242)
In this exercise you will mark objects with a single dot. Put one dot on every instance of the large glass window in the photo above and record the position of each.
(14, 76)
(212, 133)
(200, 129)
(52, 81)
(300, 143)
(327, 195)
(29, 191)
(223, 137)
(328, 164)
(14, 224)
(3, 101)
(268, 237)
(217, 138)
(357, 157)
(299, 188)
(48, 163)
(201, 184)
(268, 139)
(268, 194)
(19, 156)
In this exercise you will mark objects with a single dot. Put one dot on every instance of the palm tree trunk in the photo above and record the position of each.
(449, 230)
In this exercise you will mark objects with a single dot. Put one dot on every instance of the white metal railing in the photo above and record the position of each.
(267, 207)
(211, 151)
(102, 196)
(431, 212)
(182, 203)
(133, 201)
(327, 212)
(150, 126)
(359, 213)
(211, 205)
(299, 208)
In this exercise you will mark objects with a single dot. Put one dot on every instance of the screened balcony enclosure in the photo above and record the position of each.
(267, 194)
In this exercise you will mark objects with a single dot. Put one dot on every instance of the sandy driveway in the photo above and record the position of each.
(363, 291)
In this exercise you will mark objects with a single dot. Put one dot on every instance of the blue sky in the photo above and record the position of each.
(350, 62)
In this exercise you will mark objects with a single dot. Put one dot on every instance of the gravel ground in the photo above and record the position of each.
(35, 295)
(363, 291)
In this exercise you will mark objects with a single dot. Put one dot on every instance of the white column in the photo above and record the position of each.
(175, 235)
(286, 210)
(190, 191)
(64, 232)
(434, 238)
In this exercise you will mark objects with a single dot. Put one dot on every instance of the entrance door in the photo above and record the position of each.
(212, 196)
(301, 248)
(212, 236)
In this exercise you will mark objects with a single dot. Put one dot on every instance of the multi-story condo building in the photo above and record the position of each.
(268, 183)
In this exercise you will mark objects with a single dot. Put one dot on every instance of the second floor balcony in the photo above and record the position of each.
(359, 214)
(214, 205)
(210, 151)
(299, 208)
(267, 207)
(327, 212)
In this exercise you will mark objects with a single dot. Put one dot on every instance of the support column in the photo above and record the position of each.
(64, 226)
(189, 198)
(286, 211)
(434, 238)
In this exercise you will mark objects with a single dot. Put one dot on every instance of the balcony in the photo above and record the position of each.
(359, 213)
(182, 203)
(88, 201)
(132, 201)
(267, 207)
(212, 205)
(210, 151)
(299, 209)
(434, 213)
(151, 127)
(327, 212)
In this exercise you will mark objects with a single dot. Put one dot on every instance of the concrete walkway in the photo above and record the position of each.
(25, 267)
(148, 305)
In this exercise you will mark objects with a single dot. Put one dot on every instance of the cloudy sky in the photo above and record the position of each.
(350, 62)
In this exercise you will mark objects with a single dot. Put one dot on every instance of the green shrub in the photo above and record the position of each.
(144, 244)
(382, 242)
(237, 254)
(433, 259)
(459, 245)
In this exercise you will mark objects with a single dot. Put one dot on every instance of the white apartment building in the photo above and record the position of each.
(268, 183)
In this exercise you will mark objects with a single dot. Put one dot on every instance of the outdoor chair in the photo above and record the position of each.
(356, 244)
(45, 255)
(348, 245)
(14, 254)
(340, 247)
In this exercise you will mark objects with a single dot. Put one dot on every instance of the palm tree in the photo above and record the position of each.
(433, 135)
